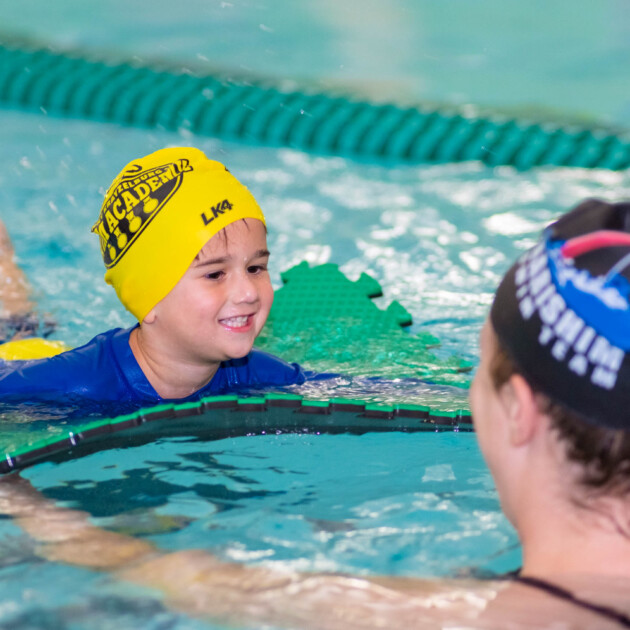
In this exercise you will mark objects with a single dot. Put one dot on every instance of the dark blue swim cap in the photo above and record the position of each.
(562, 313)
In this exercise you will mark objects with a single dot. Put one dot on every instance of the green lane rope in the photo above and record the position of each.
(143, 96)
(219, 417)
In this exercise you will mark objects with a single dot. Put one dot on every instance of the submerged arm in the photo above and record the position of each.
(66, 534)
(197, 582)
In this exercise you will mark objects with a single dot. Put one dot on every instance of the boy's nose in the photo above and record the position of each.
(245, 289)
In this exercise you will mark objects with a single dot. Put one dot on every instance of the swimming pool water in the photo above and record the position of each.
(437, 238)
(404, 507)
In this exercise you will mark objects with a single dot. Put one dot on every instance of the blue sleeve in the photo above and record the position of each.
(90, 371)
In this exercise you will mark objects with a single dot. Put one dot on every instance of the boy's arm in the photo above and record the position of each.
(197, 582)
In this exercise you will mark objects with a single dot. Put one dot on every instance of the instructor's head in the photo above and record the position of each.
(158, 214)
(560, 324)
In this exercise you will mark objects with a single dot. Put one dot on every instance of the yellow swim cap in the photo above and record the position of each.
(158, 214)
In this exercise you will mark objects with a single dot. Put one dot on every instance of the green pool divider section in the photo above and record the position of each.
(128, 93)
(220, 417)
(328, 323)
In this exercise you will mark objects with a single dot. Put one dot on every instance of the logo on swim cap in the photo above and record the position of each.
(562, 313)
(132, 202)
(585, 319)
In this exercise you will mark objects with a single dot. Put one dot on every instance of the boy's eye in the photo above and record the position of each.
(215, 275)
(256, 268)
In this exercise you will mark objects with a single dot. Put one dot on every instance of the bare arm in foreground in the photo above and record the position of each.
(200, 584)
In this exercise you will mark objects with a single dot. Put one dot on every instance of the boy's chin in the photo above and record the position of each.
(238, 354)
(239, 350)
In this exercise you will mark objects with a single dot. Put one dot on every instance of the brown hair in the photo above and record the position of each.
(604, 454)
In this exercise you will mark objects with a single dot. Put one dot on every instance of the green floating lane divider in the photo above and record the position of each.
(154, 97)
(221, 417)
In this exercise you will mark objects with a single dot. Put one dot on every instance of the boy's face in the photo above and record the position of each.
(219, 306)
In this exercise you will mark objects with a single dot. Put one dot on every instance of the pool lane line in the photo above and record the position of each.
(129, 93)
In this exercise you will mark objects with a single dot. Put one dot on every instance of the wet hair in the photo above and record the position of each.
(602, 453)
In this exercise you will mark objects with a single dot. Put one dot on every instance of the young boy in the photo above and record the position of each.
(184, 244)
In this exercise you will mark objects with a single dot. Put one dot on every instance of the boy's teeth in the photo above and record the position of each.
(235, 322)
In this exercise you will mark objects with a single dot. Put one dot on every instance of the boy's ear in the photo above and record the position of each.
(521, 409)
(149, 318)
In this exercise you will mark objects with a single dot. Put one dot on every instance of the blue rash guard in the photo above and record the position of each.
(105, 370)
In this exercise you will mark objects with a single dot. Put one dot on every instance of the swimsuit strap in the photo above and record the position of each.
(561, 593)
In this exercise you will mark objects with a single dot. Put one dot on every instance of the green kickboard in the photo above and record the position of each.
(328, 323)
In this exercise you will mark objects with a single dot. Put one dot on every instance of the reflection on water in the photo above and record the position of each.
(387, 391)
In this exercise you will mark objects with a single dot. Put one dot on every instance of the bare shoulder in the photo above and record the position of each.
(587, 602)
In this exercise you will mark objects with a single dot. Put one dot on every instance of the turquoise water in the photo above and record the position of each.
(437, 238)
(403, 504)
(410, 503)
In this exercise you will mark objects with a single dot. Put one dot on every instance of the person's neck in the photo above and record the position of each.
(171, 375)
(564, 528)
(573, 540)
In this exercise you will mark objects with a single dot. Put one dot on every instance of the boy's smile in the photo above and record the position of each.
(219, 306)
(238, 324)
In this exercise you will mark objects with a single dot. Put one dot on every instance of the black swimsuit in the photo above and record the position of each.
(561, 593)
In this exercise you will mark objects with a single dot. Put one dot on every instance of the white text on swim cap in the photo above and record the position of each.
(570, 338)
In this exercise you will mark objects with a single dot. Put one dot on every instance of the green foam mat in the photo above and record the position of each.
(73, 85)
(221, 417)
(326, 322)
